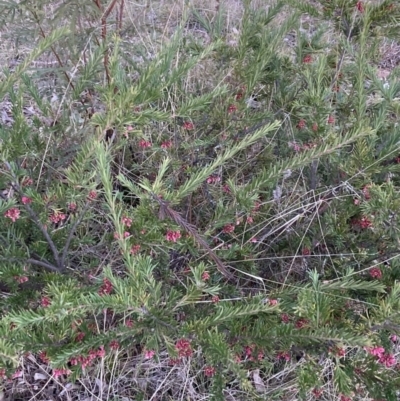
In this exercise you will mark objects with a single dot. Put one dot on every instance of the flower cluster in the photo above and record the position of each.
(184, 348)
(188, 125)
(375, 272)
(144, 144)
(106, 287)
(252, 354)
(92, 195)
(86, 361)
(209, 371)
(213, 179)
(56, 217)
(127, 221)
(148, 354)
(21, 279)
(173, 236)
(382, 357)
(302, 322)
(232, 108)
(61, 372)
(205, 276)
(114, 344)
(166, 145)
(283, 356)
(301, 124)
(26, 200)
(45, 302)
(13, 214)
(228, 228)
(364, 222)
(134, 249)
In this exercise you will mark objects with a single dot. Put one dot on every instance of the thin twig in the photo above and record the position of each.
(71, 233)
(32, 261)
(36, 220)
(121, 13)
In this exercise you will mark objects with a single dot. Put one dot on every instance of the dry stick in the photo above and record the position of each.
(167, 211)
(31, 261)
(104, 33)
(121, 13)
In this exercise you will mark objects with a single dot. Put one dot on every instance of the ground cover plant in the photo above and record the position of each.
(199, 200)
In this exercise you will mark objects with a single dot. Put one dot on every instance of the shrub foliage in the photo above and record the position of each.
(226, 204)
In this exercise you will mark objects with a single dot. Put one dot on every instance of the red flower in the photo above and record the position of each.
(144, 144)
(376, 351)
(56, 217)
(366, 192)
(249, 220)
(101, 352)
(45, 302)
(114, 344)
(344, 398)
(215, 299)
(301, 323)
(238, 96)
(375, 272)
(360, 6)
(106, 287)
(92, 194)
(72, 206)
(363, 223)
(228, 228)
(306, 251)
(388, 360)
(80, 336)
(188, 125)
(301, 124)
(284, 355)
(12, 214)
(127, 221)
(173, 236)
(134, 249)
(166, 144)
(26, 200)
(60, 372)
(184, 348)
(148, 354)
(331, 119)
(340, 352)
(232, 108)
(226, 189)
(213, 179)
(27, 182)
(209, 371)
(205, 276)
(285, 318)
(21, 279)
(317, 392)
(273, 302)
(307, 59)
(43, 357)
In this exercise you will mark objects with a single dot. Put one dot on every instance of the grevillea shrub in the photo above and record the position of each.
(220, 212)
